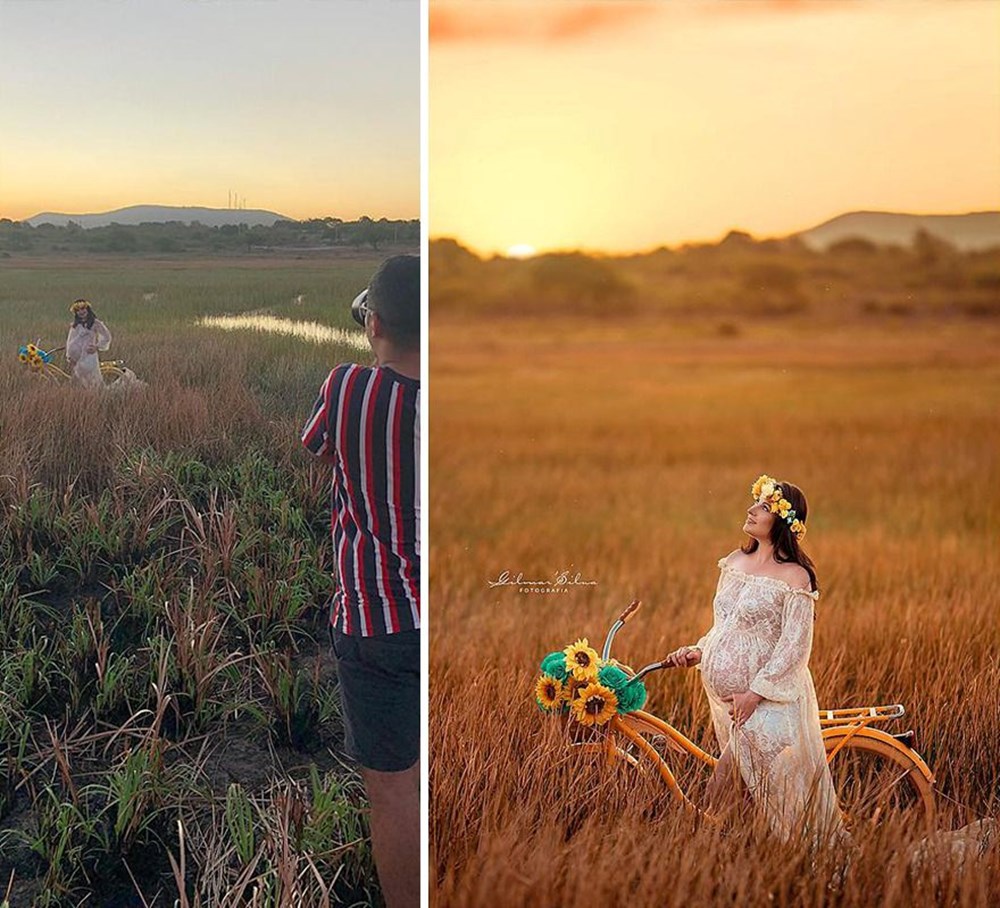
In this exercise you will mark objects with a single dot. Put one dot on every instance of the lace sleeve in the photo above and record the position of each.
(779, 679)
(704, 639)
(103, 335)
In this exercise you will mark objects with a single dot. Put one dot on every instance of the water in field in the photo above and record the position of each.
(269, 324)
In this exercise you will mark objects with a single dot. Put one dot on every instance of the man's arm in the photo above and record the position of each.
(315, 434)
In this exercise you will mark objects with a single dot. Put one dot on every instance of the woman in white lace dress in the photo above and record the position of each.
(87, 335)
(755, 669)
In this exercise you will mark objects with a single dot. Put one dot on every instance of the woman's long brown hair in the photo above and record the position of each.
(88, 320)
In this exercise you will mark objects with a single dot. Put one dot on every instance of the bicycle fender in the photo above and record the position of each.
(841, 731)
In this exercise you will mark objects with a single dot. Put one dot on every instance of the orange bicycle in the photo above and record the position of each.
(874, 772)
(42, 362)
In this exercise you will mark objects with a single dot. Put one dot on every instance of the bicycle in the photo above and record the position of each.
(41, 362)
(874, 772)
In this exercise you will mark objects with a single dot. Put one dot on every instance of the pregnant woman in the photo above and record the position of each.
(755, 669)
(87, 335)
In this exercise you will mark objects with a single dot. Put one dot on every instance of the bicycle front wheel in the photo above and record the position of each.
(667, 764)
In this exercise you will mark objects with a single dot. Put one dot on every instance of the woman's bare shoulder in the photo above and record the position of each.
(796, 576)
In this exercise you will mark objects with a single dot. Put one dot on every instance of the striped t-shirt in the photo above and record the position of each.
(366, 424)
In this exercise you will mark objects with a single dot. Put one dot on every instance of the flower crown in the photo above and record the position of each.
(767, 491)
(79, 305)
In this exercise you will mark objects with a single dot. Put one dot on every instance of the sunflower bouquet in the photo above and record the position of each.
(577, 681)
(33, 356)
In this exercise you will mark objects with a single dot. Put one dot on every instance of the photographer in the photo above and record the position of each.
(366, 424)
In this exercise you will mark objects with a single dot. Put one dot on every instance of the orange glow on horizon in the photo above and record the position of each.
(568, 129)
(302, 108)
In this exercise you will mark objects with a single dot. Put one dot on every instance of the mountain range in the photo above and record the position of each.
(159, 214)
(967, 232)
(976, 230)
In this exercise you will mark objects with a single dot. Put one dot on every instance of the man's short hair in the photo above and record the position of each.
(394, 295)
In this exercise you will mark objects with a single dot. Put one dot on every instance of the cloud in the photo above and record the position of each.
(777, 7)
(557, 21)
(538, 22)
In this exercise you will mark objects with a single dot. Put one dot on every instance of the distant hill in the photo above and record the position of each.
(978, 230)
(160, 214)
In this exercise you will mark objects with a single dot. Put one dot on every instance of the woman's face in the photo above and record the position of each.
(759, 521)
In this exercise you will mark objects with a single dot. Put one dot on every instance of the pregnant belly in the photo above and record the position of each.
(725, 671)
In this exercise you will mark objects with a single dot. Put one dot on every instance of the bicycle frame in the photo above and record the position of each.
(50, 371)
(839, 728)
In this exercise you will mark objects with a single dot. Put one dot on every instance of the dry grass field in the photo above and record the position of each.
(625, 449)
(170, 730)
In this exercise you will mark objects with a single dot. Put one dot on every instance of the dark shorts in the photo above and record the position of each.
(380, 694)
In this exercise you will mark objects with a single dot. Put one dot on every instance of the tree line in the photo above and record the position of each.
(736, 277)
(176, 237)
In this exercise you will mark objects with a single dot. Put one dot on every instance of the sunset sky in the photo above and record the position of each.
(305, 107)
(624, 126)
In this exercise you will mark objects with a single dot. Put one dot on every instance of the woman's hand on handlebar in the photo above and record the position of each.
(685, 657)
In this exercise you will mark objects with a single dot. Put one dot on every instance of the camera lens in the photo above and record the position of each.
(357, 312)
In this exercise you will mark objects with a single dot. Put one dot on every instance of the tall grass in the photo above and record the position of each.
(156, 550)
(626, 453)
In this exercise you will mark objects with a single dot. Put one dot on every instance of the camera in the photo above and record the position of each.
(358, 308)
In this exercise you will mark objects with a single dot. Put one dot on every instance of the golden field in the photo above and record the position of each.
(624, 449)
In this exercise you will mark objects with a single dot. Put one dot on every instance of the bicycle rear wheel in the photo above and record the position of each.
(875, 776)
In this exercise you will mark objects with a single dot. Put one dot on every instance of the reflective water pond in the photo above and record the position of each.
(269, 324)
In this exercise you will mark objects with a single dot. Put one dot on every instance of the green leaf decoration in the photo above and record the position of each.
(555, 664)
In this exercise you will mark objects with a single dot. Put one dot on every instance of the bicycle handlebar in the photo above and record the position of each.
(652, 667)
(633, 607)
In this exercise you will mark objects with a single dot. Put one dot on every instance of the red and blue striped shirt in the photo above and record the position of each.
(366, 424)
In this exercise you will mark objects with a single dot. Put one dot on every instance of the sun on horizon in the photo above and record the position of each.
(521, 251)
(628, 132)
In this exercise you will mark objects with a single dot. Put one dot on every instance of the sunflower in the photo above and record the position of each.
(581, 660)
(572, 688)
(32, 349)
(549, 692)
(596, 705)
(23, 356)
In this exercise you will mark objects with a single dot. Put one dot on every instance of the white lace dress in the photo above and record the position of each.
(86, 367)
(760, 641)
